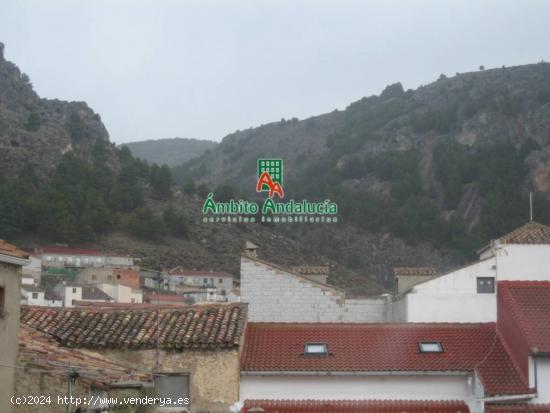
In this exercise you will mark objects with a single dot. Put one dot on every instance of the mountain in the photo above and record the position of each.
(421, 177)
(170, 152)
(442, 168)
(63, 181)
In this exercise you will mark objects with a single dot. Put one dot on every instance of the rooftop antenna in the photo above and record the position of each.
(530, 207)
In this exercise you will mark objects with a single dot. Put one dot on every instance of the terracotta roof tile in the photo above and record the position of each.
(530, 233)
(199, 273)
(311, 269)
(518, 408)
(205, 327)
(419, 271)
(9, 249)
(384, 347)
(529, 305)
(38, 350)
(355, 406)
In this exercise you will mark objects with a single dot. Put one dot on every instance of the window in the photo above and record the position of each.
(118, 276)
(430, 347)
(35, 296)
(93, 277)
(316, 349)
(220, 281)
(74, 289)
(173, 386)
(205, 280)
(485, 285)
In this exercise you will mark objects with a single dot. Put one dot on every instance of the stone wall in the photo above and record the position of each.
(214, 375)
(277, 295)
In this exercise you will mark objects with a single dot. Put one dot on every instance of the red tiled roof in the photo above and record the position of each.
(355, 406)
(37, 350)
(528, 303)
(206, 327)
(70, 251)
(9, 249)
(518, 408)
(414, 271)
(530, 233)
(384, 347)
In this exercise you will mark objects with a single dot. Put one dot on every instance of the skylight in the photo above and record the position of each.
(430, 347)
(316, 349)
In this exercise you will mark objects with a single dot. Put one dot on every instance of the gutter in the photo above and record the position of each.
(516, 397)
(354, 373)
(14, 260)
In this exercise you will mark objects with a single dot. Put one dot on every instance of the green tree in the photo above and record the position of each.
(143, 224)
(33, 122)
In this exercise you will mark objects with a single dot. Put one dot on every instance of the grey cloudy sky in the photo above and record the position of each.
(202, 69)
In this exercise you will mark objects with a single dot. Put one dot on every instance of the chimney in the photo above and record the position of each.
(250, 249)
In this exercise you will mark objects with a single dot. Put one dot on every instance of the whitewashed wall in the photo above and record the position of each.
(275, 295)
(453, 297)
(383, 387)
(543, 380)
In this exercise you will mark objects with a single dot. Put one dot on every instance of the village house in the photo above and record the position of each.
(499, 367)
(120, 293)
(46, 368)
(73, 294)
(406, 366)
(469, 294)
(179, 278)
(34, 269)
(111, 275)
(61, 256)
(195, 353)
(12, 259)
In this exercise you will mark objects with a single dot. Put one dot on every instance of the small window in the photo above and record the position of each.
(74, 290)
(485, 285)
(172, 386)
(316, 349)
(35, 296)
(94, 277)
(118, 276)
(430, 347)
(220, 281)
(205, 280)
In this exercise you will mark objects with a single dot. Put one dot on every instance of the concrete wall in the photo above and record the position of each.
(399, 310)
(214, 375)
(383, 387)
(10, 280)
(274, 294)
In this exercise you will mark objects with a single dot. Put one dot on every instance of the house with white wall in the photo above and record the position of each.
(74, 294)
(469, 294)
(121, 293)
(180, 278)
(403, 367)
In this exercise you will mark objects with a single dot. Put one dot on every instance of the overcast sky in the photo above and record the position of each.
(202, 69)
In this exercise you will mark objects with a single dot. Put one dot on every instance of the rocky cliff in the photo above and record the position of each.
(39, 131)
